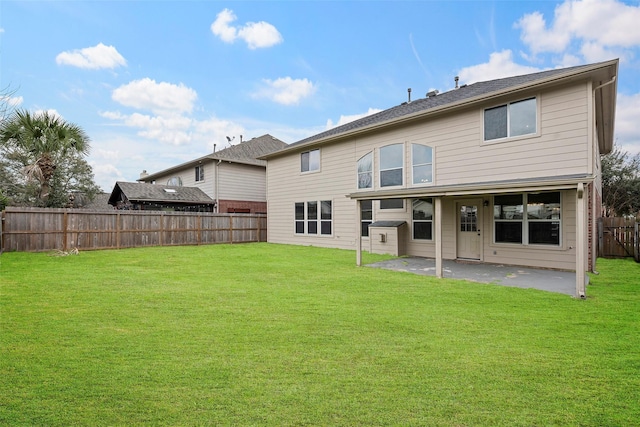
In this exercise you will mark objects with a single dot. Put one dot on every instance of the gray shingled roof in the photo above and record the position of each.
(249, 151)
(141, 192)
(465, 92)
(246, 152)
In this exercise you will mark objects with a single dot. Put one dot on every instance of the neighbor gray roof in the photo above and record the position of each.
(142, 192)
(246, 152)
(472, 92)
(249, 151)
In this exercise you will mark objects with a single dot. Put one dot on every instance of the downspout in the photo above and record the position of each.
(594, 214)
(218, 187)
(613, 79)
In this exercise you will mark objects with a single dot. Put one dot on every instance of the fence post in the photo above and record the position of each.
(600, 237)
(1, 232)
(65, 226)
(118, 224)
(636, 242)
(230, 229)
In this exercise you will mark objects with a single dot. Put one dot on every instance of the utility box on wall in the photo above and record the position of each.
(388, 237)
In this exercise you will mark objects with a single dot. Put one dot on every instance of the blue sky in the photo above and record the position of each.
(158, 83)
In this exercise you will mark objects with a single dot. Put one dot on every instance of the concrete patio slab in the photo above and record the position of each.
(563, 282)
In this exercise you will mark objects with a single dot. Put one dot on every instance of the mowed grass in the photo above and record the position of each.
(264, 334)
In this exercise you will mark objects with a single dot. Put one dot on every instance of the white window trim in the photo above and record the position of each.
(372, 220)
(319, 161)
(373, 176)
(394, 210)
(318, 219)
(535, 134)
(200, 176)
(433, 165)
(402, 167)
(432, 221)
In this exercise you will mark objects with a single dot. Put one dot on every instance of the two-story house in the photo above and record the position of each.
(234, 177)
(504, 171)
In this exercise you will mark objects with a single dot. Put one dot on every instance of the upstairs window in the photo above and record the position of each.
(391, 161)
(199, 173)
(510, 120)
(422, 162)
(365, 171)
(310, 161)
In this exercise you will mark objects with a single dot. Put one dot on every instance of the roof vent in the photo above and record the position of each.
(409, 95)
(456, 79)
(432, 93)
(169, 190)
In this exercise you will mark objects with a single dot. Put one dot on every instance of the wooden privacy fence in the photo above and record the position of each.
(618, 237)
(36, 229)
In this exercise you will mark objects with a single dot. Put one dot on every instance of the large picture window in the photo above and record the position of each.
(422, 162)
(314, 217)
(391, 161)
(310, 161)
(423, 219)
(532, 218)
(365, 171)
(509, 120)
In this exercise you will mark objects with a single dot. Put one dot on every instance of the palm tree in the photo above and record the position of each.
(46, 140)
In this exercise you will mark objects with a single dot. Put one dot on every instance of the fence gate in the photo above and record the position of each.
(618, 237)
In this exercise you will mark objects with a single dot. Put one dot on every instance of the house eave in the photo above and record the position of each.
(493, 187)
(464, 103)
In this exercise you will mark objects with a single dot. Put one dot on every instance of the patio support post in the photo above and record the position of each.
(581, 232)
(438, 236)
(358, 236)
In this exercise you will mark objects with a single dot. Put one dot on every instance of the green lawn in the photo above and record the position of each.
(263, 334)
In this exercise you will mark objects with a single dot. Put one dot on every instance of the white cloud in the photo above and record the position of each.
(603, 29)
(500, 65)
(146, 94)
(285, 90)
(347, 119)
(11, 101)
(255, 34)
(627, 133)
(92, 58)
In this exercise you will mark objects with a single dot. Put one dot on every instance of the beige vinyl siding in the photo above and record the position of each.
(188, 176)
(335, 179)
(560, 148)
(240, 182)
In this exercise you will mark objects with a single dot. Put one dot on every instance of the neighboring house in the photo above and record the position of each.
(505, 171)
(234, 177)
(152, 197)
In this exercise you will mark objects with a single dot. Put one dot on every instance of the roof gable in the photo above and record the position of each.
(246, 152)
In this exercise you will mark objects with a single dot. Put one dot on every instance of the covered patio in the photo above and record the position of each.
(563, 282)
